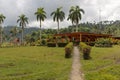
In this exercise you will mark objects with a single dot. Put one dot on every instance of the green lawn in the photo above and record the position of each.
(34, 63)
(104, 65)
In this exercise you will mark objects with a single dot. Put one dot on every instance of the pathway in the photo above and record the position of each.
(76, 73)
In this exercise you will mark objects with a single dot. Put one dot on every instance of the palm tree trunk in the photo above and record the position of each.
(72, 27)
(22, 41)
(0, 34)
(58, 27)
(40, 30)
(76, 27)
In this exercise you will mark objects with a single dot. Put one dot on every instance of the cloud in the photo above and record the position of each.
(110, 10)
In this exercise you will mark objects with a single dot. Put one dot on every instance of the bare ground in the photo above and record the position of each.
(76, 73)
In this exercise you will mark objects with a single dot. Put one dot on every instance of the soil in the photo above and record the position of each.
(76, 72)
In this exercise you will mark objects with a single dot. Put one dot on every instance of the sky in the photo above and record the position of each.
(95, 10)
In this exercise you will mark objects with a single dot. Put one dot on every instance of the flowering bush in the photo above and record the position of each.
(103, 42)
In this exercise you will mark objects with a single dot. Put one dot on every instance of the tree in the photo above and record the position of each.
(23, 20)
(58, 16)
(75, 15)
(14, 31)
(70, 17)
(40, 15)
(2, 17)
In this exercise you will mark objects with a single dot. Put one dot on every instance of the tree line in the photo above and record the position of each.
(32, 33)
(74, 16)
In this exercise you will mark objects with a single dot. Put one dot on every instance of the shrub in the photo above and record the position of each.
(115, 41)
(37, 42)
(118, 43)
(103, 42)
(90, 43)
(60, 44)
(68, 50)
(86, 49)
(59, 41)
(51, 44)
(7, 45)
(43, 42)
(32, 44)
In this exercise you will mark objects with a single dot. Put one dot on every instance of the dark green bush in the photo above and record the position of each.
(60, 44)
(60, 41)
(86, 49)
(90, 43)
(68, 50)
(51, 44)
(103, 42)
(43, 42)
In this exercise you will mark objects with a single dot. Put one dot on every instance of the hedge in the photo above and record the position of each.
(90, 43)
(103, 42)
(62, 44)
(85, 49)
(51, 44)
(68, 50)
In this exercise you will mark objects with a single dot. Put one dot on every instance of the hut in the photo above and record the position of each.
(83, 36)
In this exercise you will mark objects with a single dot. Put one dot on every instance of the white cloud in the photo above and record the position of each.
(49, 23)
(110, 10)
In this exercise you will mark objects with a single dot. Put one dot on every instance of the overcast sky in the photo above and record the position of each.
(108, 9)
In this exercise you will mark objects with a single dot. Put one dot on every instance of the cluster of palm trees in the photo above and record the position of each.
(58, 16)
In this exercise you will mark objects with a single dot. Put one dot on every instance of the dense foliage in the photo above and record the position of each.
(85, 49)
(108, 27)
(68, 50)
(103, 42)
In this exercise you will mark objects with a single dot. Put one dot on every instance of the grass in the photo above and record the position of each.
(104, 65)
(34, 63)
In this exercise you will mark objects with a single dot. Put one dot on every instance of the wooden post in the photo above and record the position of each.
(80, 37)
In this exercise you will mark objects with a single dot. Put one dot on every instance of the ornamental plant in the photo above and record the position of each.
(85, 49)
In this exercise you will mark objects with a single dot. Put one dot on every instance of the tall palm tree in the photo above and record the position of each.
(70, 17)
(58, 16)
(23, 20)
(2, 17)
(40, 15)
(75, 15)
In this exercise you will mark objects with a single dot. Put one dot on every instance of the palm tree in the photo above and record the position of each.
(23, 20)
(70, 16)
(2, 17)
(75, 15)
(40, 15)
(58, 16)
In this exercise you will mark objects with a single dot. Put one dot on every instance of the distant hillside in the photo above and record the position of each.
(103, 27)
(26, 31)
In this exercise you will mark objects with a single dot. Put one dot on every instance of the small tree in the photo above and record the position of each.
(14, 31)
(23, 20)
